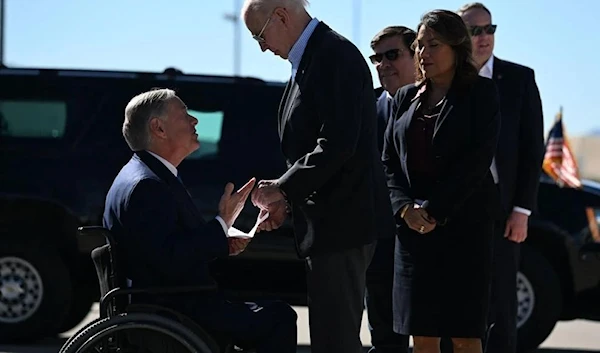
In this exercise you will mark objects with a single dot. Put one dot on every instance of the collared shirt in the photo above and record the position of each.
(297, 50)
(167, 164)
(175, 172)
(487, 70)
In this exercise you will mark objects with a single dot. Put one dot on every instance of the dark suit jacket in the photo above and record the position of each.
(521, 145)
(384, 110)
(163, 240)
(464, 144)
(328, 130)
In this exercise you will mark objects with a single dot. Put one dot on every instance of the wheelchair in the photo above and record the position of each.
(124, 327)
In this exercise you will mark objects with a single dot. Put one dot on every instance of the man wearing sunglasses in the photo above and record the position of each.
(335, 187)
(516, 169)
(393, 60)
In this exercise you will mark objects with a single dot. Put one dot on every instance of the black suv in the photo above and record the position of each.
(61, 146)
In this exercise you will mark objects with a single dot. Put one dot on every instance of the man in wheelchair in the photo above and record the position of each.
(164, 242)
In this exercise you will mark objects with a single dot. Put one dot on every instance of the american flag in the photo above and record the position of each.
(561, 165)
(559, 161)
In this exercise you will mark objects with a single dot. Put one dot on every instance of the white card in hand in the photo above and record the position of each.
(234, 232)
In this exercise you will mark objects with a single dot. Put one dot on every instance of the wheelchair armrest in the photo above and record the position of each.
(152, 290)
(92, 230)
(101, 233)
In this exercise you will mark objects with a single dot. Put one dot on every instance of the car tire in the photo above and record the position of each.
(35, 292)
(539, 299)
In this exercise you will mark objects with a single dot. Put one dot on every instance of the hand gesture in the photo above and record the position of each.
(266, 193)
(418, 220)
(237, 245)
(516, 227)
(231, 204)
(277, 215)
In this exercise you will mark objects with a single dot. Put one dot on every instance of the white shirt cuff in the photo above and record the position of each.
(522, 210)
(223, 224)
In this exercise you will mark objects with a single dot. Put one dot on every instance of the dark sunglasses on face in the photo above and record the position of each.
(391, 55)
(479, 30)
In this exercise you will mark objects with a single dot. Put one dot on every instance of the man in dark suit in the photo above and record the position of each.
(335, 186)
(162, 237)
(516, 168)
(393, 59)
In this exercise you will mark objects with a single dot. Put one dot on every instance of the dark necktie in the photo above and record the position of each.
(183, 185)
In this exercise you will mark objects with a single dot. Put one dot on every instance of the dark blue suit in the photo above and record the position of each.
(380, 274)
(384, 110)
(164, 241)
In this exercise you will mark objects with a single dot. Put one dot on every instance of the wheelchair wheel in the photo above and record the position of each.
(70, 339)
(139, 332)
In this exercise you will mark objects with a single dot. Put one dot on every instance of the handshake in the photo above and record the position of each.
(267, 196)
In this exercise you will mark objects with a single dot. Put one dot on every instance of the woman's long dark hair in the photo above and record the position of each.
(451, 30)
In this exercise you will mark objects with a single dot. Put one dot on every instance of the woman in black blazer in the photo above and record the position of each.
(438, 150)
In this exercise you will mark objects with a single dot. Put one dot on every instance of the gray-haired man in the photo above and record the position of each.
(163, 239)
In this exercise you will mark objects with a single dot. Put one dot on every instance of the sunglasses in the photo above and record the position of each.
(479, 30)
(259, 37)
(391, 55)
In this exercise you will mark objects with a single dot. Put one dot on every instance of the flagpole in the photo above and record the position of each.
(2, 18)
(560, 114)
(234, 18)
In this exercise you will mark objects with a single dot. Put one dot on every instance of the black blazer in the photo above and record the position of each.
(328, 130)
(464, 143)
(521, 145)
(162, 237)
(384, 111)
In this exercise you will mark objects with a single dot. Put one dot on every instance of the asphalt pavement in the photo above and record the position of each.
(577, 336)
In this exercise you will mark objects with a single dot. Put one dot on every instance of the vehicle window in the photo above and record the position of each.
(209, 128)
(33, 118)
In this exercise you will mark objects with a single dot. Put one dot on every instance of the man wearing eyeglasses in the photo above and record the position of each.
(335, 187)
(393, 60)
(516, 169)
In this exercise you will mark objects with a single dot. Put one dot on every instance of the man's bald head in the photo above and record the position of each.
(276, 24)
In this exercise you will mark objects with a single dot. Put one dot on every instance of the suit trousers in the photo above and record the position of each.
(378, 299)
(503, 306)
(336, 289)
(265, 326)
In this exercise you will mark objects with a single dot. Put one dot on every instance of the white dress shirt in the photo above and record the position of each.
(487, 70)
(175, 172)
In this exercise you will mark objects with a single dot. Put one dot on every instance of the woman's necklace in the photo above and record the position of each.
(428, 107)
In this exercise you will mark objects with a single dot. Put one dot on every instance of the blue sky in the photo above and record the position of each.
(557, 39)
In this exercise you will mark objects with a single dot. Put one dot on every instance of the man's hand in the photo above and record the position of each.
(231, 204)
(516, 227)
(277, 215)
(266, 193)
(237, 245)
(418, 220)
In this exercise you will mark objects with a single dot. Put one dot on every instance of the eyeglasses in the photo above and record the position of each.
(391, 55)
(259, 37)
(479, 30)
